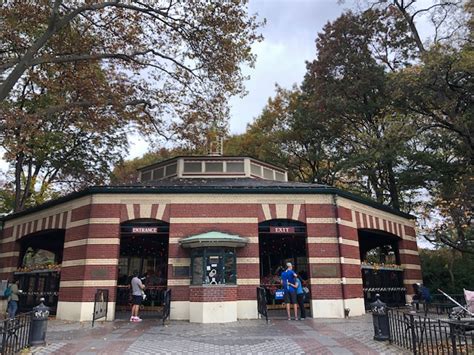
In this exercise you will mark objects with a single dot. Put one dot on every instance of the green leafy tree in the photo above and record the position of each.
(77, 76)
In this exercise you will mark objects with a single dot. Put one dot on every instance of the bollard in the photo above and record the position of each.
(380, 319)
(39, 324)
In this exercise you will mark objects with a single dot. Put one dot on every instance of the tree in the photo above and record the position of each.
(79, 75)
(346, 88)
(265, 138)
(447, 270)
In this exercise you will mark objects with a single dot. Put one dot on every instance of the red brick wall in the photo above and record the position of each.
(214, 293)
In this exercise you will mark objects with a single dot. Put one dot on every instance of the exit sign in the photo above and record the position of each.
(282, 230)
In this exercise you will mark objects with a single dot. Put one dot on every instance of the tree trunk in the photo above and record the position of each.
(392, 186)
(18, 171)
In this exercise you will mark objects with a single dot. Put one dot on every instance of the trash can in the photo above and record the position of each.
(39, 324)
(380, 319)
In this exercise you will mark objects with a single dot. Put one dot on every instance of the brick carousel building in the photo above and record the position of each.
(211, 229)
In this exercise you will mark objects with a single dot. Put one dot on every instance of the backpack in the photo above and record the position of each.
(7, 292)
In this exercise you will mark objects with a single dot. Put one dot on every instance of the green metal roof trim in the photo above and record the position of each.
(213, 238)
(209, 190)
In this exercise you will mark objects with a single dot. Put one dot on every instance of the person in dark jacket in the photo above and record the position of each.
(300, 295)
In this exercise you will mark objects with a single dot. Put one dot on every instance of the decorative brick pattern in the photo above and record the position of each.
(327, 241)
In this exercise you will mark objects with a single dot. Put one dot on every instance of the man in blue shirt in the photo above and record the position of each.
(288, 278)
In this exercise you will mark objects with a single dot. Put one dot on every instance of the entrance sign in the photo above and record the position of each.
(145, 230)
(282, 229)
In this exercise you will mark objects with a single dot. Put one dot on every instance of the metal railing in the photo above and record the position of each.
(101, 301)
(262, 302)
(423, 335)
(166, 305)
(15, 333)
(441, 305)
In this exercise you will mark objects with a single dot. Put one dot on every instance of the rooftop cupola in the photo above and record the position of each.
(211, 166)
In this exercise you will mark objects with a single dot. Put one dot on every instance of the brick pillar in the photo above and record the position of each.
(248, 274)
(9, 252)
(323, 261)
(350, 261)
(9, 256)
(179, 285)
(410, 260)
(90, 259)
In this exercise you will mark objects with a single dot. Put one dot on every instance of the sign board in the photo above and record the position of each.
(144, 230)
(284, 230)
(181, 271)
(98, 273)
(322, 271)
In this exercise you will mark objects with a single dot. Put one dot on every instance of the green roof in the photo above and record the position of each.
(213, 238)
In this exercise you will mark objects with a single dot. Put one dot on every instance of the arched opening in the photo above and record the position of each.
(381, 270)
(143, 248)
(281, 241)
(39, 269)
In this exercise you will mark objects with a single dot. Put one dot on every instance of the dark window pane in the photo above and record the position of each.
(214, 167)
(235, 167)
(197, 270)
(146, 176)
(190, 167)
(171, 169)
(229, 268)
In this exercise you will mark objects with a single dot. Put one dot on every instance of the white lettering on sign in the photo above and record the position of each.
(282, 229)
(144, 230)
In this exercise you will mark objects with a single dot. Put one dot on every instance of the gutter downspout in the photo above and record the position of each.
(338, 235)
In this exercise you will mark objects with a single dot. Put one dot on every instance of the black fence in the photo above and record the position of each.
(101, 301)
(37, 285)
(423, 335)
(387, 282)
(262, 302)
(15, 333)
(441, 305)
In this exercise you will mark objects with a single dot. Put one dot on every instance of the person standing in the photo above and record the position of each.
(137, 296)
(300, 295)
(13, 299)
(288, 280)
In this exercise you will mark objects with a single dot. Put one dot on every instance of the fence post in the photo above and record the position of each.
(452, 335)
(413, 334)
(4, 335)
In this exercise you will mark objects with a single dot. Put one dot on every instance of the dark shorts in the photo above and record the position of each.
(290, 297)
(137, 299)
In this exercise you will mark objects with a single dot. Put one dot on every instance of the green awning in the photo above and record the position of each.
(213, 239)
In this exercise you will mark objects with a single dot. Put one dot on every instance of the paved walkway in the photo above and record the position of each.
(311, 336)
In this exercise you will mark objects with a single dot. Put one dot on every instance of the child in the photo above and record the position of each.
(300, 296)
